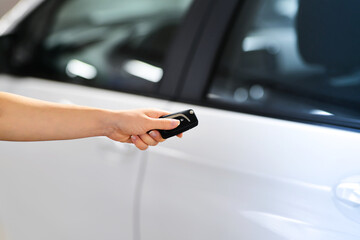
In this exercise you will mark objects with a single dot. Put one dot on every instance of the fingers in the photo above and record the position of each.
(147, 139)
(156, 136)
(143, 141)
(164, 123)
(160, 123)
(139, 143)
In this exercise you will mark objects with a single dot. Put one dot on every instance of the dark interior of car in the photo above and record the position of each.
(303, 61)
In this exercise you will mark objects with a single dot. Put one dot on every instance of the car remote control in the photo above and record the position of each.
(187, 120)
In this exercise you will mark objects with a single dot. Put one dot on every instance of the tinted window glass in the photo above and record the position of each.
(294, 58)
(115, 44)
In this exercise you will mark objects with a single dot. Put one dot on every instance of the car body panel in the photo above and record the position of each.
(76, 189)
(218, 183)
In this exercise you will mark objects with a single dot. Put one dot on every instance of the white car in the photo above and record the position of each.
(275, 85)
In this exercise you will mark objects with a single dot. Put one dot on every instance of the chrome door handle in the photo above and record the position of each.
(348, 191)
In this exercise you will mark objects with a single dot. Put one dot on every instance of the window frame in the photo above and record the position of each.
(181, 50)
(214, 34)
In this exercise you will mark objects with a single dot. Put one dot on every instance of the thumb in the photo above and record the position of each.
(164, 124)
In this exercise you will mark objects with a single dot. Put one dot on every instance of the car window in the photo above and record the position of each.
(113, 44)
(298, 58)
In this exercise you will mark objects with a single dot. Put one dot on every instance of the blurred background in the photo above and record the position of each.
(5, 5)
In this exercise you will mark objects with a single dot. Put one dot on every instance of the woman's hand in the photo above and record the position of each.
(27, 119)
(138, 127)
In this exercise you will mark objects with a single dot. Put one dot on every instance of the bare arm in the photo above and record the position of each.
(26, 119)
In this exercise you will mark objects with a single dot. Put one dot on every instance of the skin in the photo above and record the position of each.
(27, 119)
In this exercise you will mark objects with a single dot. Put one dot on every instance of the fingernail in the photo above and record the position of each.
(133, 138)
(153, 134)
(175, 122)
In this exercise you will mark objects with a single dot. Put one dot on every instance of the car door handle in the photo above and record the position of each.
(348, 191)
(110, 145)
(123, 147)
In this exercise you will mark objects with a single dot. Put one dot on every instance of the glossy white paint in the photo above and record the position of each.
(79, 189)
(238, 176)
(235, 176)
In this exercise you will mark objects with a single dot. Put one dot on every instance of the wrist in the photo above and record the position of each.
(106, 126)
(110, 122)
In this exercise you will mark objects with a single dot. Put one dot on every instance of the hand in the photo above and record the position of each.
(133, 126)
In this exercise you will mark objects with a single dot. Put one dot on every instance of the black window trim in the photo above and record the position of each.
(181, 51)
(216, 29)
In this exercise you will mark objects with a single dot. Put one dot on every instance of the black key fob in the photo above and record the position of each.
(187, 119)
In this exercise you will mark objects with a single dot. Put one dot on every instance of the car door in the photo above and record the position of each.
(275, 155)
(106, 54)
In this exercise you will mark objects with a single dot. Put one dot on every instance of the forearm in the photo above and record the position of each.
(25, 119)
